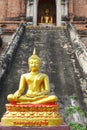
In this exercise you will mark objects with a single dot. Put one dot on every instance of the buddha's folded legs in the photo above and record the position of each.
(25, 98)
(49, 99)
(33, 100)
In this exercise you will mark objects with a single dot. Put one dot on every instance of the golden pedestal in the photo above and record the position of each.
(32, 115)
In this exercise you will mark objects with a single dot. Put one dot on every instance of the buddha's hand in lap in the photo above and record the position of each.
(33, 94)
(17, 94)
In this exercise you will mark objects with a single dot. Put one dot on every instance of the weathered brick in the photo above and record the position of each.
(11, 9)
(80, 8)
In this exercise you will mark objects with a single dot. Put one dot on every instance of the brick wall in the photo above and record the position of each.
(2, 9)
(11, 8)
(80, 7)
(10, 11)
(70, 7)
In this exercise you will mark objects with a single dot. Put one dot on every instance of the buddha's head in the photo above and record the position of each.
(34, 62)
(47, 11)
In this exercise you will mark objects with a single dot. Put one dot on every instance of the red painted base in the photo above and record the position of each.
(61, 127)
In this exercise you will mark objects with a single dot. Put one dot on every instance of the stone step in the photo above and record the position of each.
(62, 127)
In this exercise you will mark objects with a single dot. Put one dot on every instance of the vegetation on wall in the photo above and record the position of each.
(70, 110)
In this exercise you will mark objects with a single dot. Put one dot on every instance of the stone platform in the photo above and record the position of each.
(61, 127)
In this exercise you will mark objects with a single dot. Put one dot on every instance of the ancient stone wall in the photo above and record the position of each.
(70, 7)
(11, 12)
(80, 8)
(11, 8)
(2, 9)
(15, 10)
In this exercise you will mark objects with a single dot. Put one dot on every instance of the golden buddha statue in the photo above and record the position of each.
(38, 85)
(46, 18)
(36, 107)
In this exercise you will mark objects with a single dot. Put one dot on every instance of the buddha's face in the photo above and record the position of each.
(34, 65)
(47, 11)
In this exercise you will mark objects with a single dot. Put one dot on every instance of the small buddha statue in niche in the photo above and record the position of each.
(46, 18)
(38, 85)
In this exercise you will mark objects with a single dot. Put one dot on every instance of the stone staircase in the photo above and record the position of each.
(54, 48)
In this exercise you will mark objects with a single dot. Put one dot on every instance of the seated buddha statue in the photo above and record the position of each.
(38, 91)
(46, 18)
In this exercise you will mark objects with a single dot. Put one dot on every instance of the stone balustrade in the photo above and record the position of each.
(7, 56)
(79, 48)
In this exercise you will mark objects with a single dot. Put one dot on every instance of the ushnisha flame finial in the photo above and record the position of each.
(34, 52)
